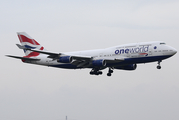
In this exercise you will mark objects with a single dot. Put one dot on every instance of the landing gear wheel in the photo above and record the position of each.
(91, 73)
(158, 67)
(108, 74)
(95, 72)
(100, 72)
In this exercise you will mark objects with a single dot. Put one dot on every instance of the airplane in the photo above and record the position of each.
(121, 57)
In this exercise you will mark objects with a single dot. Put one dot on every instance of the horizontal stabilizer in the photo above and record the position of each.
(51, 55)
(23, 58)
(21, 47)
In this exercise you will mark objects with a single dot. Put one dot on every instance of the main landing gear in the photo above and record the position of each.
(109, 72)
(98, 72)
(159, 67)
(95, 72)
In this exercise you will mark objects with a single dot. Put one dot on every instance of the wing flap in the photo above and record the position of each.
(83, 64)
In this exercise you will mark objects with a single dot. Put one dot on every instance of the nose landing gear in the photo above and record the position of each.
(159, 67)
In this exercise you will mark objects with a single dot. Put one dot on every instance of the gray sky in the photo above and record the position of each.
(31, 92)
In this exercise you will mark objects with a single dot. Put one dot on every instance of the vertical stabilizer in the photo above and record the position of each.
(29, 42)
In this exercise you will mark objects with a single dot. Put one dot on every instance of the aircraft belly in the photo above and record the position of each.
(147, 59)
(139, 60)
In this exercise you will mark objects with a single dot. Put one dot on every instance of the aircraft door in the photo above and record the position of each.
(150, 50)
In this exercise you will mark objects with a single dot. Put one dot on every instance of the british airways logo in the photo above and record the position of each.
(141, 49)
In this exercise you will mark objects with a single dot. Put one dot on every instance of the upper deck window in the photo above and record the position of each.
(162, 43)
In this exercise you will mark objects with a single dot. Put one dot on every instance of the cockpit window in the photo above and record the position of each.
(162, 43)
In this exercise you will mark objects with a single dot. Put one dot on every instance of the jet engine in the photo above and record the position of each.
(99, 63)
(127, 67)
(65, 59)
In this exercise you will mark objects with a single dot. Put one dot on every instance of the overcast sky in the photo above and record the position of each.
(31, 92)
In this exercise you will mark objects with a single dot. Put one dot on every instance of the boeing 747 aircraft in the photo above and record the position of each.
(122, 57)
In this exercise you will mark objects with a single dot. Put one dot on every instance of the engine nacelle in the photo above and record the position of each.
(99, 63)
(65, 59)
(127, 67)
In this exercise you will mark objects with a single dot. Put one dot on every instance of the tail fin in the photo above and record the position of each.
(29, 42)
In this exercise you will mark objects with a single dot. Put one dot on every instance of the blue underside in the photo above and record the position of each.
(127, 61)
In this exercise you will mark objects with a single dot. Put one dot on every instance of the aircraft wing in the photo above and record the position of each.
(23, 58)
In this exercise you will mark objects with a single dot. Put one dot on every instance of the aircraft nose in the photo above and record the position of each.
(174, 51)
